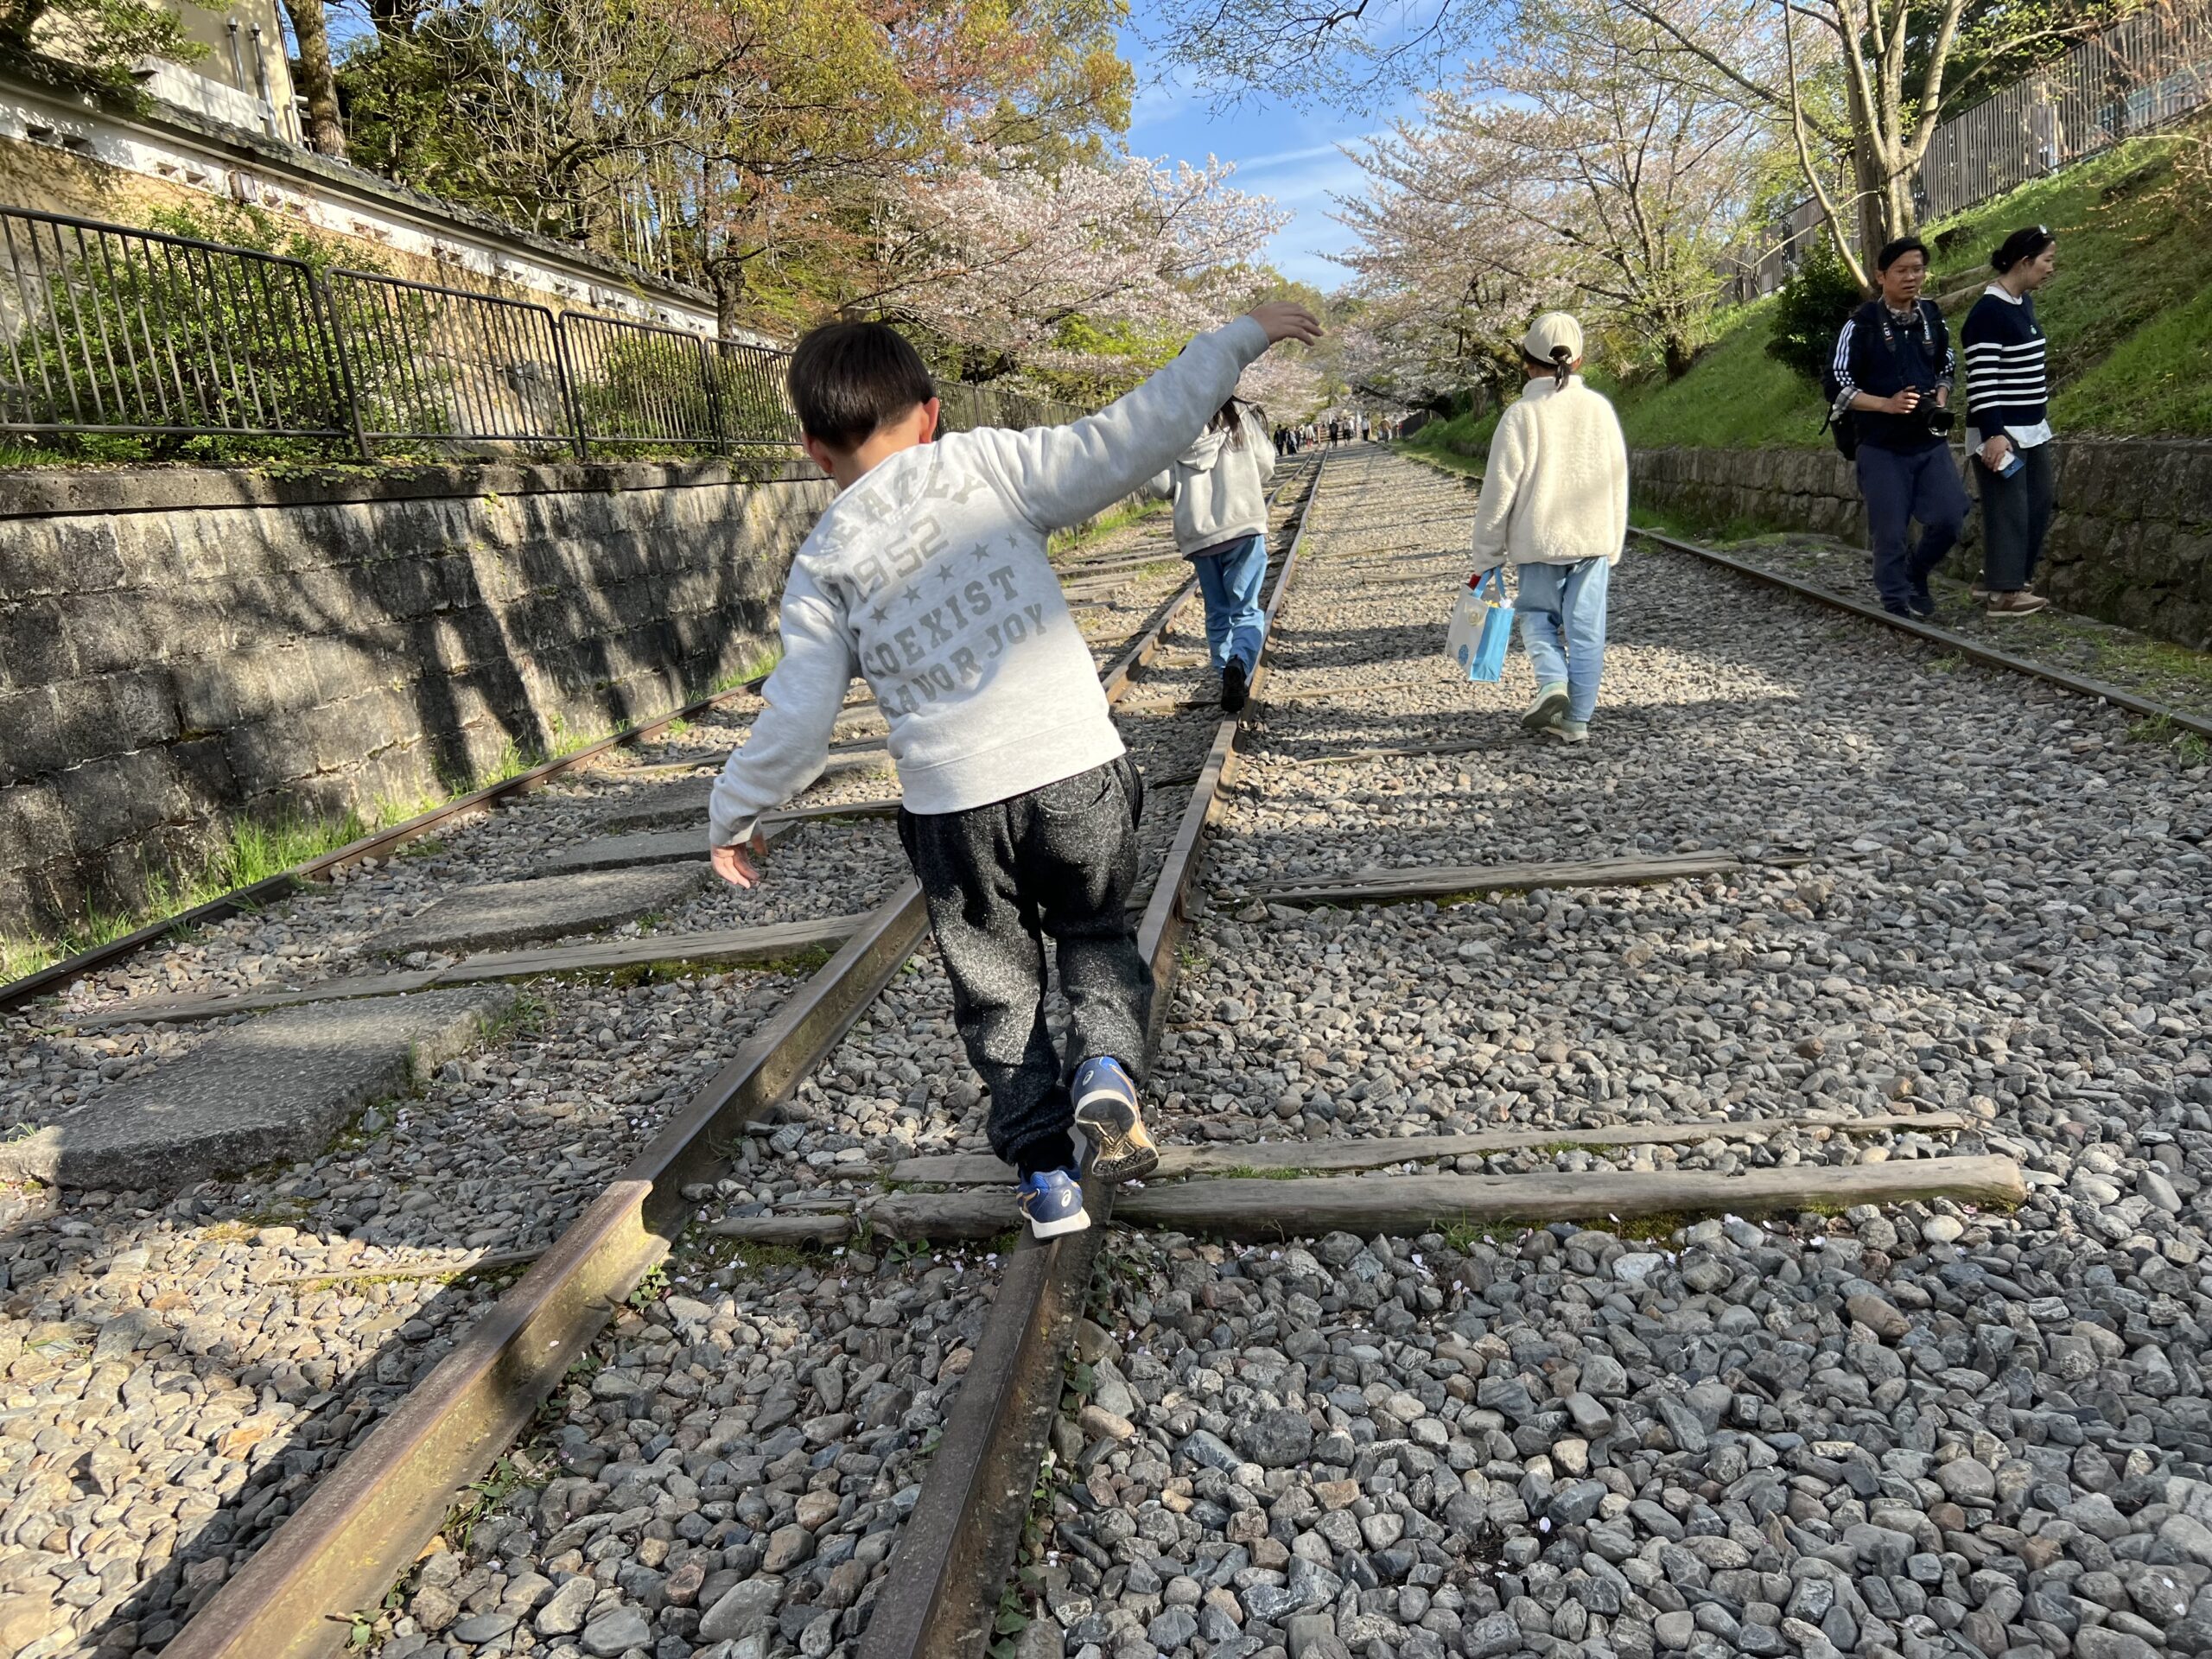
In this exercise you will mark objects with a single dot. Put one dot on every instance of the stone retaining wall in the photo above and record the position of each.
(2131, 542)
(180, 646)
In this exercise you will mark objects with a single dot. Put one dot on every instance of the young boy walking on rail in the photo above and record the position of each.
(928, 576)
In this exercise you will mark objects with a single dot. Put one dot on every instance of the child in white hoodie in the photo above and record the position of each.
(928, 576)
(1219, 488)
(1554, 505)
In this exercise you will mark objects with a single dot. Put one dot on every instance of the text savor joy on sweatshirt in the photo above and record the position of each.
(929, 578)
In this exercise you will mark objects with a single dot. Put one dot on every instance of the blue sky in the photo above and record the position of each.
(1289, 154)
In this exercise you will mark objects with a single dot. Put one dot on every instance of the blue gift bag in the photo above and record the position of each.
(1482, 627)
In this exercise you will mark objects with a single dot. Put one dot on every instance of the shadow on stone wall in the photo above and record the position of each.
(2131, 542)
(179, 648)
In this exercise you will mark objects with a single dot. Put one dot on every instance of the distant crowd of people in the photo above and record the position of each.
(1334, 429)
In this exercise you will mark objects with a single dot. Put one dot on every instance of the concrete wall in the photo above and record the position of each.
(2131, 542)
(179, 647)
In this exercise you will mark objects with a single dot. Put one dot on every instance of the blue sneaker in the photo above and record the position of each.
(1106, 1111)
(1052, 1200)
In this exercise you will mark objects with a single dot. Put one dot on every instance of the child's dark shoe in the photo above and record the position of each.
(1051, 1201)
(1106, 1110)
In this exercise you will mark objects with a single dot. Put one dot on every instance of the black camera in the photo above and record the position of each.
(1940, 420)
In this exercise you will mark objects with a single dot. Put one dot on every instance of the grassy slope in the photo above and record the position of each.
(2129, 316)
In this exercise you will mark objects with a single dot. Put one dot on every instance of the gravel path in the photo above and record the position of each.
(2155, 669)
(1919, 1432)
(175, 1372)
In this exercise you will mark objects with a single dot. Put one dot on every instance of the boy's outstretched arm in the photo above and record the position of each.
(1061, 475)
(790, 739)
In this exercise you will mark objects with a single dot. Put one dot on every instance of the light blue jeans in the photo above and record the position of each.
(1563, 612)
(1229, 578)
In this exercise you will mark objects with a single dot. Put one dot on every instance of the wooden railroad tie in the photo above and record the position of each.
(1380, 1151)
(1445, 881)
(1261, 1209)
(717, 946)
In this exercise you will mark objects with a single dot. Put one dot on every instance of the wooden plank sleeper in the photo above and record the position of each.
(1379, 1152)
(1273, 1209)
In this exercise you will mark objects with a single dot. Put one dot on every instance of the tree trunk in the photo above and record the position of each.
(318, 81)
(727, 276)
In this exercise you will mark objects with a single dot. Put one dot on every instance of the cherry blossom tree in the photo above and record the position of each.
(1565, 170)
(1092, 267)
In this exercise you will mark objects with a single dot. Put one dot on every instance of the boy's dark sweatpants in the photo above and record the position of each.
(1059, 861)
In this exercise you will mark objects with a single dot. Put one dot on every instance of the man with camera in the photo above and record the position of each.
(1893, 371)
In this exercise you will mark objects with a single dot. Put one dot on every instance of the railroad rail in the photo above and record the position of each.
(369, 1518)
(960, 1542)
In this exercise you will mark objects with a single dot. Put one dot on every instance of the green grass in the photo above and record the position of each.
(1736, 398)
(252, 850)
(1063, 541)
(1463, 438)
(2129, 317)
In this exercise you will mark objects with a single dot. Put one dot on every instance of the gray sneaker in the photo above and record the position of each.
(1547, 709)
(1569, 731)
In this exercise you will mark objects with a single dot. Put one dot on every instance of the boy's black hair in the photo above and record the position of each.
(1897, 248)
(848, 379)
(2026, 242)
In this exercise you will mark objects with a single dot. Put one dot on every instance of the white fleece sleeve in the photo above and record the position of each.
(1620, 485)
(1502, 476)
(1261, 443)
(790, 740)
(1055, 476)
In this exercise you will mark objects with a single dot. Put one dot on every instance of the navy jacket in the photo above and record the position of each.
(1876, 356)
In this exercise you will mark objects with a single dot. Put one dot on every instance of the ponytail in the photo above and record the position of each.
(2026, 242)
(1561, 360)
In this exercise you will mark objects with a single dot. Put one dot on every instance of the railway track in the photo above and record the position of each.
(286, 1221)
(1412, 1422)
(1878, 1060)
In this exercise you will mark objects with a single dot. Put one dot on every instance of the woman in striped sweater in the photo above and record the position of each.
(2008, 429)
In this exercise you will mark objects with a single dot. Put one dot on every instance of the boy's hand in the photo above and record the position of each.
(736, 865)
(1287, 320)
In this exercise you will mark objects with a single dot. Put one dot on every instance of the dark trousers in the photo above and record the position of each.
(1899, 487)
(2015, 519)
(1058, 861)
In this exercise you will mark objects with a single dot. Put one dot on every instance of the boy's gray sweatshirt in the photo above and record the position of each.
(929, 577)
(1220, 489)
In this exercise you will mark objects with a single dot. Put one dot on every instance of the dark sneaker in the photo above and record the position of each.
(1052, 1202)
(1235, 686)
(1922, 604)
(1106, 1111)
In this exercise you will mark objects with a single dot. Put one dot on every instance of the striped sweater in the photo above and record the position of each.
(2008, 384)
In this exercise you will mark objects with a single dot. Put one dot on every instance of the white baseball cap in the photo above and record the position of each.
(1550, 332)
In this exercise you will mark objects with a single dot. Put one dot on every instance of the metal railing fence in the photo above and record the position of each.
(108, 330)
(2142, 74)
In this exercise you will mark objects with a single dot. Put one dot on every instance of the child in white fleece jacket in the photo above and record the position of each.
(1554, 505)
(928, 576)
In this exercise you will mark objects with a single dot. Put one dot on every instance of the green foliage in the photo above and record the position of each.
(1736, 398)
(1809, 312)
(102, 40)
(2128, 317)
(1467, 435)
